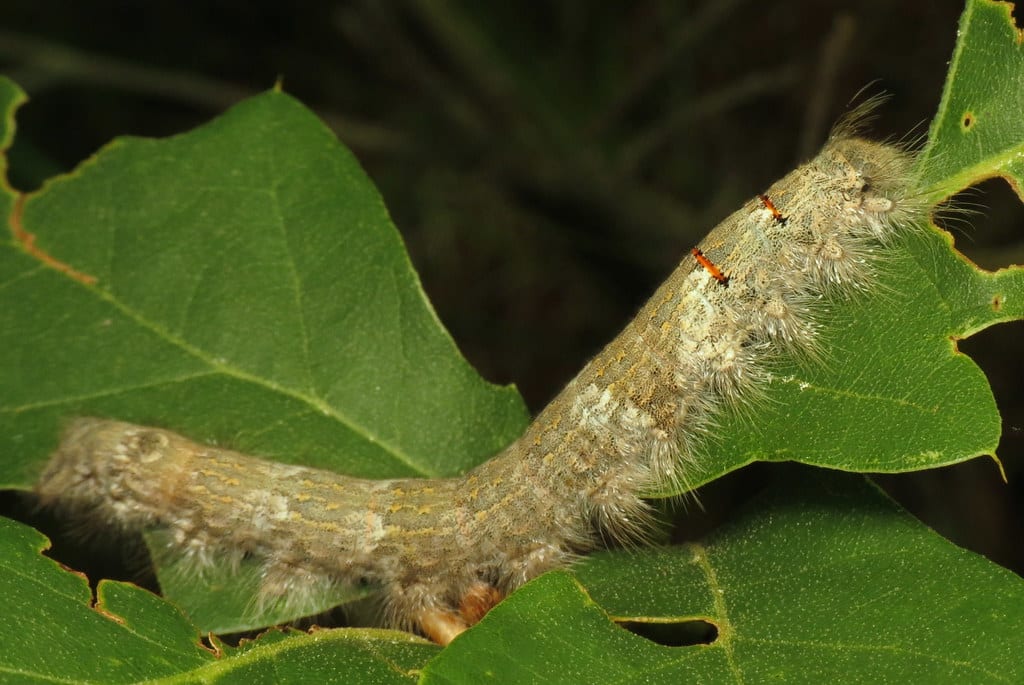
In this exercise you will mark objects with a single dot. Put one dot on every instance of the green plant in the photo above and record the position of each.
(283, 316)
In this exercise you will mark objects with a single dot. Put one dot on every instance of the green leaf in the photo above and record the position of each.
(52, 632)
(374, 657)
(129, 635)
(893, 393)
(978, 131)
(820, 579)
(241, 283)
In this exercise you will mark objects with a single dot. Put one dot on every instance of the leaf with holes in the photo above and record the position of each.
(820, 579)
(895, 394)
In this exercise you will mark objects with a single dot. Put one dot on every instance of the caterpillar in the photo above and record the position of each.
(444, 551)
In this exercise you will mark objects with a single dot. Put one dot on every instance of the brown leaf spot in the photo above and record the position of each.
(28, 241)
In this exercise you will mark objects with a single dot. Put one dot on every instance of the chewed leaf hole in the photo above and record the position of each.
(674, 634)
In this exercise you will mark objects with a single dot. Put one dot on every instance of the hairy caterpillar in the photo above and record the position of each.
(444, 551)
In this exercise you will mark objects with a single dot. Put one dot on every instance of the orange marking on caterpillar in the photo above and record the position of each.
(441, 626)
(770, 206)
(478, 600)
(710, 266)
(28, 241)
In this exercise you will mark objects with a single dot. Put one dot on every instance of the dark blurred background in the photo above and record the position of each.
(546, 162)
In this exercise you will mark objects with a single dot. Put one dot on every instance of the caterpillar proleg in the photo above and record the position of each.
(443, 551)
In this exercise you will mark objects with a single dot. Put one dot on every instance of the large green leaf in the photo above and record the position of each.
(820, 579)
(241, 283)
(894, 394)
